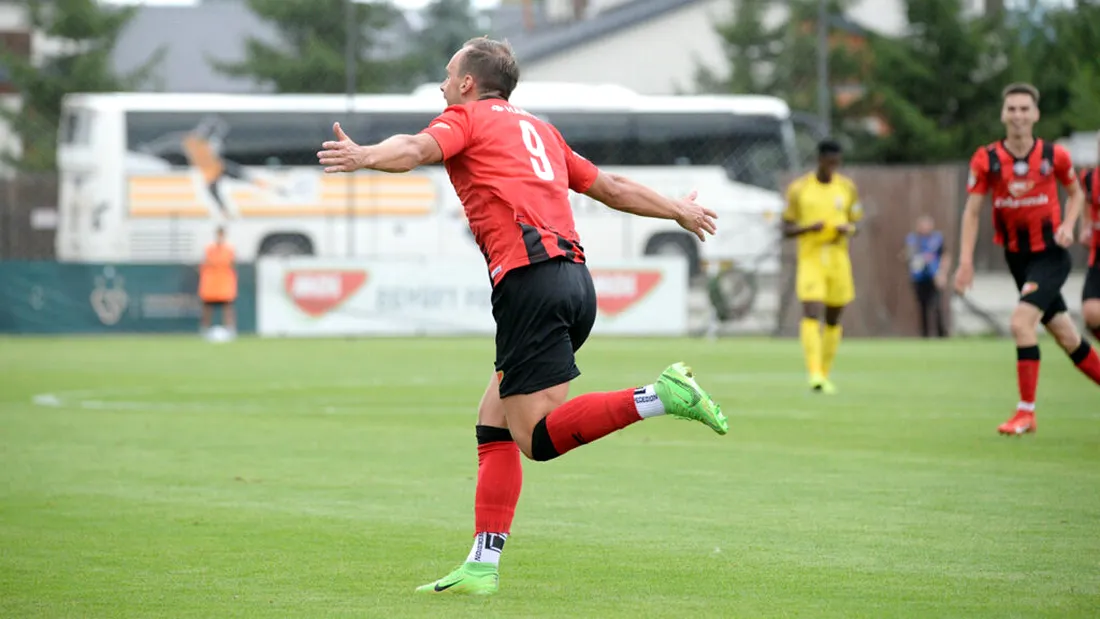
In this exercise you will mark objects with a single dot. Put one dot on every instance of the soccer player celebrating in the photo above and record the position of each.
(1090, 236)
(1023, 173)
(513, 173)
(822, 212)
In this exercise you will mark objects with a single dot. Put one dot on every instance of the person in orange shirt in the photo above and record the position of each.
(218, 282)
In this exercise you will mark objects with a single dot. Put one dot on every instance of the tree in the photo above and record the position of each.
(938, 87)
(448, 24)
(89, 33)
(782, 60)
(311, 54)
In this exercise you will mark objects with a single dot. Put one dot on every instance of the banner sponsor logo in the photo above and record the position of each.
(619, 290)
(318, 292)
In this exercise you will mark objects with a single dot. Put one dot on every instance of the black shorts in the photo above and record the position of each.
(544, 313)
(1092, 283)
(1040, 277)
(213, 304)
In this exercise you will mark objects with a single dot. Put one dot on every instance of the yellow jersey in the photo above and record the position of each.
(835, 203)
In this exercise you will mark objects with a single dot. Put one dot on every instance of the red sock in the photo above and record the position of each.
(1086, 360)
(499, 480)
(1027, 372)
(583, 420)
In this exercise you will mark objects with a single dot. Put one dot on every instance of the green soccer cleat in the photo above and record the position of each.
(470, 578)
(683, 398)
(821, 384)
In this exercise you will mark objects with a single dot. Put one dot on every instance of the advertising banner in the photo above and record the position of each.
(335, 297)
(53, 297)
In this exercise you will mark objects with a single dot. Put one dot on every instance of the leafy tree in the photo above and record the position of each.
(938, 87)
(311, 54)
(90, 32)
(448, 24)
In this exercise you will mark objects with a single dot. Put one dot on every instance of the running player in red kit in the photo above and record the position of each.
(513, 173)
(1090, 237)
(1023, 174)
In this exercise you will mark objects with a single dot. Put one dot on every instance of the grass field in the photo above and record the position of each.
(169, 477)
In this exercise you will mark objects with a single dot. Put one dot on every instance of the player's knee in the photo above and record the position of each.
(1023, 322)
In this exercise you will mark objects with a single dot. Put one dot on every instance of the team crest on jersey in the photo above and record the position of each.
(1021, 168)
(1020, 188)
(839, 203)
(1045, 168)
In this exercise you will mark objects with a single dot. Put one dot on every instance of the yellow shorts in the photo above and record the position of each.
(827, 280)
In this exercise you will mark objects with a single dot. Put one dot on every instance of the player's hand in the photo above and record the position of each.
(342, 155)
(817, 226)
(964, 277)
(940, 280)
(696, 219)
(1064, 236)
(845, 229)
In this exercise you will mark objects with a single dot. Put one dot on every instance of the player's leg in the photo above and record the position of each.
(1090, 301)
(839, 292)
(921, 289)
(229, 316)
(1052, 272)
(810, 289)
(499, 481)
(207, 316)
(535, 379)
(1040, 278)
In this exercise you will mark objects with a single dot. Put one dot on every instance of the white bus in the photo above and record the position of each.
(148, 177)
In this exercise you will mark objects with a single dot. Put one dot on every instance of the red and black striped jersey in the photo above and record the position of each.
(1090, 182)
(513, 173)
(1026, 209)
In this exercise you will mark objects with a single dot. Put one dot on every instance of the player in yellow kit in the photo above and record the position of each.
(822, 212)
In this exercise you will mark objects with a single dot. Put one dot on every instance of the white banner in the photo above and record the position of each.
(304, 296)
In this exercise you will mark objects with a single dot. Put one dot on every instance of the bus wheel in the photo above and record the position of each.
(286, 245)
(675, 244)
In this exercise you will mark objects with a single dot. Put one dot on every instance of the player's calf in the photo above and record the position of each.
(1082, 354)
(1091, 311)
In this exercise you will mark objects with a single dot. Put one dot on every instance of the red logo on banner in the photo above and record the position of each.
(618, 290)
(319, 292)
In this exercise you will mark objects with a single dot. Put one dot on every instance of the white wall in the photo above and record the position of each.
(661, 55)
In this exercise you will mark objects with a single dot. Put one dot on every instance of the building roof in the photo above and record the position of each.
(195, 35)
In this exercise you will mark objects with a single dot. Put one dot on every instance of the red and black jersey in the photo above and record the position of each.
(513, 173)
(1090, 180)
(1026, 209)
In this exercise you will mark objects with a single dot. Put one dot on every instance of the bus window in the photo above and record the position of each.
(251, 139)
(749, 149)
(604, 139)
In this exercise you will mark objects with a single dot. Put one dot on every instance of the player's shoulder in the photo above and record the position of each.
(1059, 152)
(983, 151)
(800, 182)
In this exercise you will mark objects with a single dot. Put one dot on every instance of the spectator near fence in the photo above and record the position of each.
(928, 268)
(218, 283)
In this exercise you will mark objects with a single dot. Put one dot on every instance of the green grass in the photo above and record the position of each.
(328, 478)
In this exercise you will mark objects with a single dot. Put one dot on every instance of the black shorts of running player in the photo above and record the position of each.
(1092, 283)
(544, 313)
(216, 304)
(1039, 278)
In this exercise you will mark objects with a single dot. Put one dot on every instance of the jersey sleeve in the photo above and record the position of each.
(451, 130)
(977, 181)
(1063, 166)
(582, 172)
(791, 212)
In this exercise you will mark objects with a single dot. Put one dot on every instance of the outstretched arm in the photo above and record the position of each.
(629, 196)
(399, 153)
